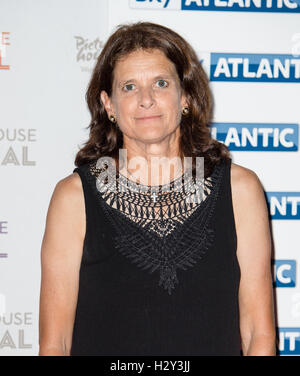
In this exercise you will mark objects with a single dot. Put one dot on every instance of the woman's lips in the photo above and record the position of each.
(149, 117)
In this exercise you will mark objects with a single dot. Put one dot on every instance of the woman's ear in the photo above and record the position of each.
(183, 101)
(106, 102)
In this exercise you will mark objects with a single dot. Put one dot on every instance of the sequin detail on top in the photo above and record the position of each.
(169, 233)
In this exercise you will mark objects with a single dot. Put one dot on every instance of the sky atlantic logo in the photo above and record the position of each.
(284, 273)
(289, 341)
(155, 4)
(284, 205)
(280, 6)
(236, 67)
(286, 6)
(257, 136)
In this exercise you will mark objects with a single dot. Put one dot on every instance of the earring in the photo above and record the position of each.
(185, 111)
(112, 119)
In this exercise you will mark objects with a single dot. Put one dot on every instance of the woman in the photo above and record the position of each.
(130, 267)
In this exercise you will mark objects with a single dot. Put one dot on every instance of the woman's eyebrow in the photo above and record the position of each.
(167, 75)
(160, 76)
(121, 83)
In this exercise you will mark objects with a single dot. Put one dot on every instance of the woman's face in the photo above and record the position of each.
(146, 96)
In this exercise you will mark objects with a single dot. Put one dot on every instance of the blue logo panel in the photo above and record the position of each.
(285, 273)
(282, 6)
(257, 137)
(278, 6)
(254, 67)
(289, 341)
(284, 205)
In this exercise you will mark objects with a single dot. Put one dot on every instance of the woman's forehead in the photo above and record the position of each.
(144, 62)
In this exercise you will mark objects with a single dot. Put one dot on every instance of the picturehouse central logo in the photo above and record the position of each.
(16, 146)
(4, 42)
(87, 52)
(16, 331)
(3, 232)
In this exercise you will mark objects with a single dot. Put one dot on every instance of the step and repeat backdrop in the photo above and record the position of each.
(250, 50)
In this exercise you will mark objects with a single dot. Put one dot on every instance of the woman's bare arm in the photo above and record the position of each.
(60, 258)
(254, 256)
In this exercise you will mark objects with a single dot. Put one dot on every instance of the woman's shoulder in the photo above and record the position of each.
(246, 187)
(68, 192)
(71, 184)
(65, 221)
(243, 177)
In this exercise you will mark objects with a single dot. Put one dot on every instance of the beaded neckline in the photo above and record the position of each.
(146, 187)
(168, 234)
(121, 191)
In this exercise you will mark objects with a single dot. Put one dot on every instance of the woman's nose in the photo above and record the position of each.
(146, 97)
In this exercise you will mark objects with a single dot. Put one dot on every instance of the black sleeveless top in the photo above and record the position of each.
(158, 277)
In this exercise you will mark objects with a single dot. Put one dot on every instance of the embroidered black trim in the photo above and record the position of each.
(173, 238)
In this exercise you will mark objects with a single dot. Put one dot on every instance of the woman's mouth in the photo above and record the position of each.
(148, 117)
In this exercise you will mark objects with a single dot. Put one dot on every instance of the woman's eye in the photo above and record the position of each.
(128, 87)
(162, 83)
